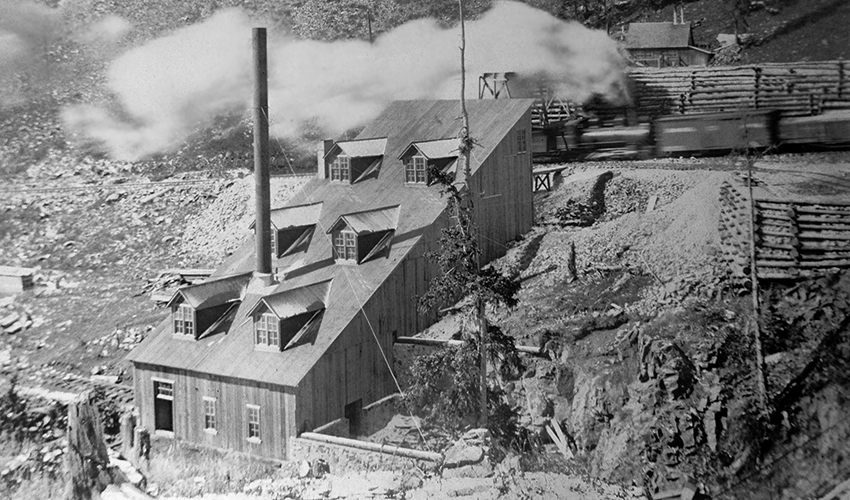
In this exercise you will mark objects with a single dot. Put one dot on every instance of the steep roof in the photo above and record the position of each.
(441, 148)
(403, 122)
(214, 292)
(360, 147)
(368, 221)
(296, 301)
(301, 215)
(659, 36)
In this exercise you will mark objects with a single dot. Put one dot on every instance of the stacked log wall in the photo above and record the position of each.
(796, 89)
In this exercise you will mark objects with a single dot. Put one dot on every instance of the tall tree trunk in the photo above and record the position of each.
(465, 150)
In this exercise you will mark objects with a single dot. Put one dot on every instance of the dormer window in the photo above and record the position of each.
(416, 170)
(184, 320)
(292, 228)
(206, 308)
(341, 168)
(353, 161)
(289, 318)
(345, 245)
(267, 330)
(419, 158)
(359, 236)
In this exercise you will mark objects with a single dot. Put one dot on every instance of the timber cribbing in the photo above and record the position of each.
(794, 238)
(795, 89)
(801, 238)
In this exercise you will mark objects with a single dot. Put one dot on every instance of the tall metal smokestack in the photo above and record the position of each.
(261, 156)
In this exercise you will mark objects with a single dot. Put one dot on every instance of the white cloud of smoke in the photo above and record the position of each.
(25, 28)
(172, 85)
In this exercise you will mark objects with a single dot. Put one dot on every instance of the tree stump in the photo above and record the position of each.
(86, 461)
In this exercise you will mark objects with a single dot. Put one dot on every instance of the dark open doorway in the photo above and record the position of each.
(354, 413)
(163, 406)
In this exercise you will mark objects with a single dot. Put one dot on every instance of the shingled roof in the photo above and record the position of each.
(659, 36)
(232, 354)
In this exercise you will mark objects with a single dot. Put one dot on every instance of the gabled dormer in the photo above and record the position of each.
(290, 318)
(292, 228)
(359, 236)
(420, 157)
(198, 309)
(352, 161)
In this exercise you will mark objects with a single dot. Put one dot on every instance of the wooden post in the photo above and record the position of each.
(761, 385)
(142, 449)
(128, 428)
(86, 461)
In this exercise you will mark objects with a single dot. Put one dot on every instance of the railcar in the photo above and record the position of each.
(714, 133)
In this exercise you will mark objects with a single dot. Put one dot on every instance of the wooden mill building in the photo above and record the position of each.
(244, 363)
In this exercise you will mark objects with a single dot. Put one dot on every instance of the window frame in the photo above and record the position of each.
(416, 170)
(187, 326)
(263, 333)
(210, 418)
(341, 168)
(521, 141)
(161, 382)
(254, 431)
(345, 245)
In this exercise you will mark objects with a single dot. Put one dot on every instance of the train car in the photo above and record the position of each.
(829, 130)
(715, 133)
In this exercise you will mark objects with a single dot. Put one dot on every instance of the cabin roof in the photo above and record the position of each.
(659, 35)
(232, 354)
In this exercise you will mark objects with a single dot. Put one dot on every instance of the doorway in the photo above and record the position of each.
(163, 405)
(354, 413)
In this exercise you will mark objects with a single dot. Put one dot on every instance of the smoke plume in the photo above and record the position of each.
(170, 86)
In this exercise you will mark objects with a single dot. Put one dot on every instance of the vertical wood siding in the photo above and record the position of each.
(232, 396)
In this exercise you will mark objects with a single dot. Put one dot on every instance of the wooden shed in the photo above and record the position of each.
(664, 44)
(315, 344)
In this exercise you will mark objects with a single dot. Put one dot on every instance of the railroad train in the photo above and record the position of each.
(690, 135)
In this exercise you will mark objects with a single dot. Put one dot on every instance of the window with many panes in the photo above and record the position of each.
(253, 422)
(521, 141)
(209, 414)
(184, 320)
(415, 170)
(341, 168)
(163, 389)
(345, 245)
(267, 330)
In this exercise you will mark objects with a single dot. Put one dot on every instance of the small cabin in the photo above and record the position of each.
(15, 279)
(663, 45)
